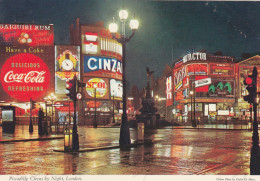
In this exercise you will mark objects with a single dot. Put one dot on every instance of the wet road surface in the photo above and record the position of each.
(177, 152)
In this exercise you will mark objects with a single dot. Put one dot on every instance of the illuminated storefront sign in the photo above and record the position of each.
(221, 69)
(180, 79)
(26, 35)
(223, 112)
(99, 41)
(194, 56)
(202, 83)
(25, 76)
(169, 91)
(197, 69)
(101, 106)
(66, 106)
(101, 90)
(181, 95)
(90, 44)
(116, 89)
(222, 88)
(67, 65)
(102, 66)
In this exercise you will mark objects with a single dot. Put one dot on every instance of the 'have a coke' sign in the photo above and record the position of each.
(25, 76)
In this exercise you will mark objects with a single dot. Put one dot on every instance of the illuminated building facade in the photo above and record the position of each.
(101, 70)
(32, 67)
(209, 88)
(245, 68)
(27, 67)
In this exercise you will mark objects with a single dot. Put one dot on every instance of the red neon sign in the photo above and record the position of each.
(30, 35)
(25, 76)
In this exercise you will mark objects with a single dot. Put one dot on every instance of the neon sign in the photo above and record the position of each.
(96, 86)
(116, 89)
(222, 69)
(101, 63)
(194, 56)
(99, 41)
(67, 65)
(169, 91)
(198, 69)
(221, 89)
(30, 35)
(25, 76)
(179, 75)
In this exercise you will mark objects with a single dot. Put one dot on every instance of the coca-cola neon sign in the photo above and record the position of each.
(25, 76)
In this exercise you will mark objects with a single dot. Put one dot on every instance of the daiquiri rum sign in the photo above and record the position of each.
(25, 76)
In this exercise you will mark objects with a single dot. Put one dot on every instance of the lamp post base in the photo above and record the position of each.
(124, 133)
(30, 127)
(75, 140)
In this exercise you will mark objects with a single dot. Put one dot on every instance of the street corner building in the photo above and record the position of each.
(206, 87)
(34, 68)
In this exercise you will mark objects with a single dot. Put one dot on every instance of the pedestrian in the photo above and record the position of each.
(40, 118)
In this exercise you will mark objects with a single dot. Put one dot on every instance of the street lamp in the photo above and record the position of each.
(123, 14)
(191, 94)
(95, 100)
(113, 106)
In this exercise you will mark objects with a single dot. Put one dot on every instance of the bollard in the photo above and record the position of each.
(67, 139)
(140, 131)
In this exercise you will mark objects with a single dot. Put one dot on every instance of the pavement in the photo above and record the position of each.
(22, 134)
(180, 151)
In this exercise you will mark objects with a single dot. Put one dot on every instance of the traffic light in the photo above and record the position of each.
(81, 84)
(72, 88)
(32, 104)
(250, 82)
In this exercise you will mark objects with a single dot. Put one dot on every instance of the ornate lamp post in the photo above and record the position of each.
(123, 14)
(95, 100)
(191, 94)
(113, 106)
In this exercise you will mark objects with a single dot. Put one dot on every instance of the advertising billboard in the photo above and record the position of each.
(26, 72)
(183, 94)
(221, 88)
(195, 56)
(67, 64)
(116, 89)
(102, 67)
(169, 91)
(26, 35)
(180, 78)
(101, 106)
(197, 69)
(202, 83)
(96, 88)
(221, 69)
(98, 41)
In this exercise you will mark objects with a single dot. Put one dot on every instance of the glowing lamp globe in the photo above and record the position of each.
(123, 14)
(113, 28)
(134, 24)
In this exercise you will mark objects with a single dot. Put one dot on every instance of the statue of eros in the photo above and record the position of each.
(149, 74)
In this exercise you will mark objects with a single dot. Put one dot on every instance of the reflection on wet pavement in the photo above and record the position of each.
(178, 152)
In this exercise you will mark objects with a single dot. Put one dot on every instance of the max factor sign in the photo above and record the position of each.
(195, 56)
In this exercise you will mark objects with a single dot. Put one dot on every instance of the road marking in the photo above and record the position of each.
(209, 169)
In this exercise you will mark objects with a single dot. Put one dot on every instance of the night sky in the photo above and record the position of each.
(167, 29)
